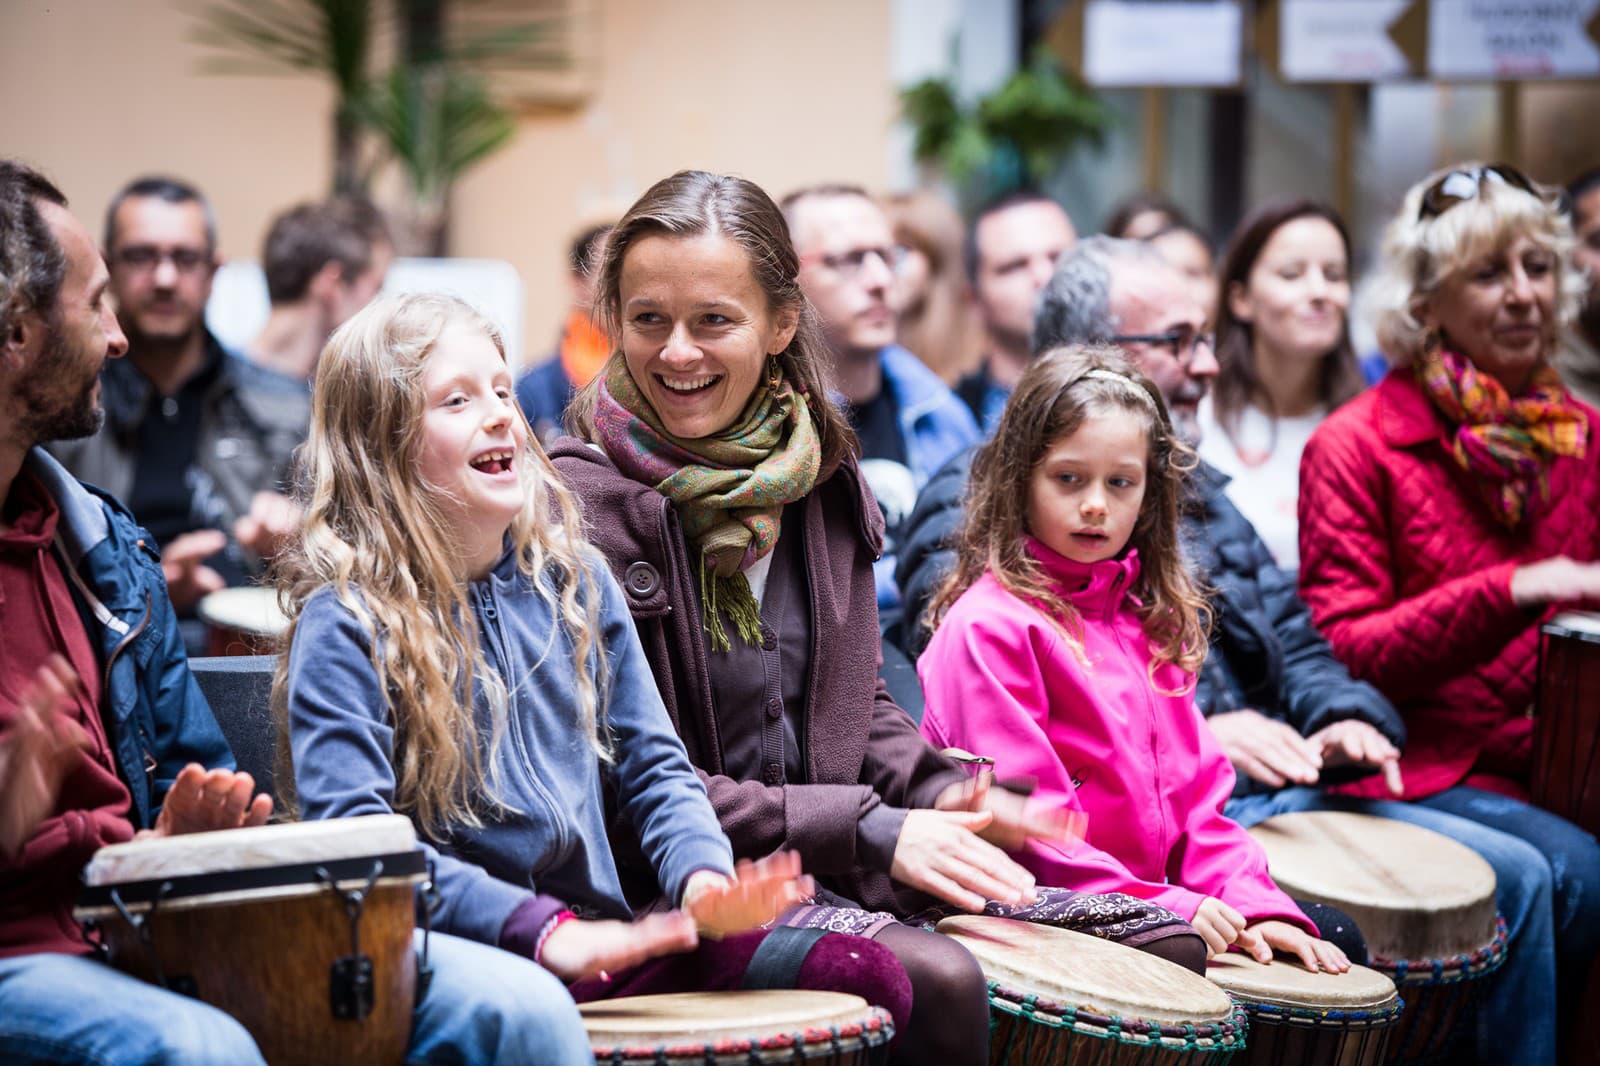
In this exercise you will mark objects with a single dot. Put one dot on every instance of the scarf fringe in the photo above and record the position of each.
(729, 595)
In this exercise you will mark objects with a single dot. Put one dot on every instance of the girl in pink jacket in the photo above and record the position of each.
(1065, 648)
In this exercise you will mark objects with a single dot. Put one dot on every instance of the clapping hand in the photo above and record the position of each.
(202, 800)
(37, 751)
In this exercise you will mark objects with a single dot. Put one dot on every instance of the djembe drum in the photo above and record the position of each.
(1566, 728)
(738, 1029)
(1424, 903)
(302, 931)
(1300, 1018)
(1058, 997)
(242, 621)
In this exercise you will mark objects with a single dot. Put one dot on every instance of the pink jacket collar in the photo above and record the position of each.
(1406, 416)
(1092, 588)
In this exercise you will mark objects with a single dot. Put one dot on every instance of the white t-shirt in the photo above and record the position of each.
(1265, 468)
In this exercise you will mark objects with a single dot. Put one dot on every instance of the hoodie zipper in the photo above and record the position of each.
(494, 628)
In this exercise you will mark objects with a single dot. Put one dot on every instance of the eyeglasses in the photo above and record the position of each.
(1183, 342)
(1459, 186)
(849, 264)
(143, 257)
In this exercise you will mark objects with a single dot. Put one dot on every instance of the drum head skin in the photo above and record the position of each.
(1584, 625)
(288, 844)
(1093, 975)
(248, 609)
(1286, 983)
(681, 1019)
(1414, 893)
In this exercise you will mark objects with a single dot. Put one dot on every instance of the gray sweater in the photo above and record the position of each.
(553, 839)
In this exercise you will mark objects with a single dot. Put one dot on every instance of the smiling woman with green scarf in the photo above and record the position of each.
(722, 485)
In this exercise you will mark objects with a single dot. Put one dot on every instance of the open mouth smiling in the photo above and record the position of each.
(688, 386)
(495, 462)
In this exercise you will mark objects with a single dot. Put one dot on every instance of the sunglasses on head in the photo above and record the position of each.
(1459, 186)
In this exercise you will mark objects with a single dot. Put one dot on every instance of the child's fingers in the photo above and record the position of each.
(1215, 943)
(1248, 940)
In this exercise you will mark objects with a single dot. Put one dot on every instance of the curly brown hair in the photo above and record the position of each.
(1057, 393)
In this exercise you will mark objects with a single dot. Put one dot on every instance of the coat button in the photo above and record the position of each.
(769, 638)
(641, 579)
(773, 775)
(774, 709)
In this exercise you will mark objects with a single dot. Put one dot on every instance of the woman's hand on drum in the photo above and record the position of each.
(37, 750)
(1220, 926)
(1017, 819)
(757, 893)
(1315, 954)
(1265, 749)
(578, 948)
(202, 800)
(941, 853)
(1557, 579)
(1359, 743)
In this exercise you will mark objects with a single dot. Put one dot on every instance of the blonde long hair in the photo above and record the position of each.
(376, 533)
(1057, 393)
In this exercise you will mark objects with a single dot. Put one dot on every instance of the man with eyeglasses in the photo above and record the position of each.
(908, 421)
(1285, 710)
(1011, 251)
(197, 441)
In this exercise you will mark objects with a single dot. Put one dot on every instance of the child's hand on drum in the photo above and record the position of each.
(1292, 940)
(577, 949)
(1017, 819)
(942, 853)
(201, 801)
(759, 892)
(1220, 926)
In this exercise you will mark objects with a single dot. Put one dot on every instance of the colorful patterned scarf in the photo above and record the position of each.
(730, 489)
(1506, 443)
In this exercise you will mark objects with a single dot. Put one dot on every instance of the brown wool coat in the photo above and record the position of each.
(862, 749)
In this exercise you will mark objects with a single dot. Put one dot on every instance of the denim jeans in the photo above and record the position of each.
(485, 1005)
(1542, 871)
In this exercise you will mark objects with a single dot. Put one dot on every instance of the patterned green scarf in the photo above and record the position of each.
(730, 488)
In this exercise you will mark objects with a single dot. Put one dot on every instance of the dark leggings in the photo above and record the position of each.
(1338, 929)
(949, 999)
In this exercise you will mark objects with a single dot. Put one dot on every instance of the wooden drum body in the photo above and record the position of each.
(1424, 903)
(303, 932)
(743, 1028)
(1300, 1018)
(1566, 729)
(242, 621)
(1058, 997)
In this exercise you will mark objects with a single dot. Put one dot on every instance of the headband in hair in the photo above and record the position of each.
(1118, 378)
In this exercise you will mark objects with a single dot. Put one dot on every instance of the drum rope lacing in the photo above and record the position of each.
(872, 1034)
(1211, 1038)
(1445, 971)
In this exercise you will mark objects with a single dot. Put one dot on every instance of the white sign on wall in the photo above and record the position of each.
(1340, 40)
(1130, 43)
(1512, 39)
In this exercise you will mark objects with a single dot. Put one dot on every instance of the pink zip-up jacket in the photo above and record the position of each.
(1143, 766)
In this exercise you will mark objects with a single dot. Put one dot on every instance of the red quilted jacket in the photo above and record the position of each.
(1409, 577)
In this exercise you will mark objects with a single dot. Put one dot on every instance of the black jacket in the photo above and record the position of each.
(1265, 653)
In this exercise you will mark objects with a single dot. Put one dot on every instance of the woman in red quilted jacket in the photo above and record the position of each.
(1448, 510)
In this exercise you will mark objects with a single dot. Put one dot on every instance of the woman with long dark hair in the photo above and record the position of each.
(1283, 346)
